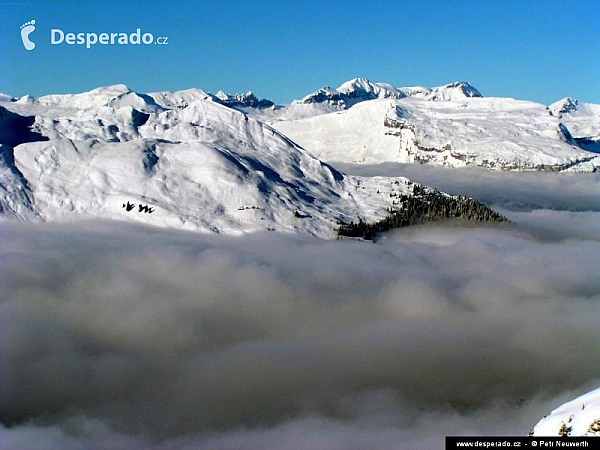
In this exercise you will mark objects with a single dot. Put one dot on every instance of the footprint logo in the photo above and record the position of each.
(26, 30)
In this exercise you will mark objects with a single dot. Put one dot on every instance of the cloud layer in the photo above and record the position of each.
(513, 190)
(120, 336)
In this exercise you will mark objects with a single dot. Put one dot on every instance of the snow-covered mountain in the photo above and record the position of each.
(178, 159)
(195, 160)
(451, 125)
(360, 89)
(114, 96)
(581, 119)
(352, 92)
(121, 95)
(357, 90)
(578, 417)
(563, 106)
(453, 91)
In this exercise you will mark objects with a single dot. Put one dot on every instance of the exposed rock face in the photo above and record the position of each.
(581, 120)
(425, 205)
(564, 106)
(360, 90)
(247, 100)
(327, 95)
(495, 133)
(351, 92)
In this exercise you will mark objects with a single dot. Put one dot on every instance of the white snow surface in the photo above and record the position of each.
(581, 119)
(178, 99)
(198, 164)
(581, 415)
(498, 133)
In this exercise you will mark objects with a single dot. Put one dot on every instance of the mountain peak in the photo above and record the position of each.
(356, 83)
(375, 90)
(221, 95)
(351, 92)
(111, 90)
(454, 91)
(564, 106)
(247, 100)
(361, 89)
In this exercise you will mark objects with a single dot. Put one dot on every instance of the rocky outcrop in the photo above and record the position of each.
(565, 106)
(247, 100)
(351, 92)
(425, 205)
(335, 98)
(412, 151)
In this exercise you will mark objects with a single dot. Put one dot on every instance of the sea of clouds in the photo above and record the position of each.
(120, 336)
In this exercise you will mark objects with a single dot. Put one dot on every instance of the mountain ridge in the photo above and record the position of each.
(158, 159)
(194, 160)
(361, 89)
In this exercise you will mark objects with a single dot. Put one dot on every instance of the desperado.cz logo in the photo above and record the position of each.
(89, 39)
(58, 36)
(26, 29)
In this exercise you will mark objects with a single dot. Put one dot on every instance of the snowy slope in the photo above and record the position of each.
(581, 119)
(178, 99)
(16, 199)
(355, 135)
(83, 104)
(202, 166)
(15, 194)
(579, 417)
(453, 91)
(498, 133)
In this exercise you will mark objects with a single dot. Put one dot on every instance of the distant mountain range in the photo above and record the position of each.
(234, 163)
(183, 159)
(451, 125)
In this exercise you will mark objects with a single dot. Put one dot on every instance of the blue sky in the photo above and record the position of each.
(537, 50)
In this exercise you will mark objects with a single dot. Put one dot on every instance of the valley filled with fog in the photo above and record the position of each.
(117, 335)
